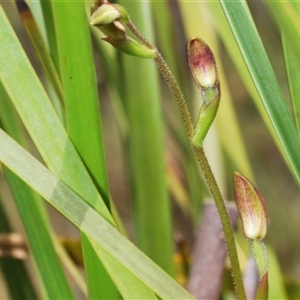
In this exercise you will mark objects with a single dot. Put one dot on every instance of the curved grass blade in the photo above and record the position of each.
(251, 47)
(88, 220)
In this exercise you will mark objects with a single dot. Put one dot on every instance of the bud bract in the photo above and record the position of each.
(132, 47)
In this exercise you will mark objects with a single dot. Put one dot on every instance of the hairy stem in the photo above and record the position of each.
(203, 163)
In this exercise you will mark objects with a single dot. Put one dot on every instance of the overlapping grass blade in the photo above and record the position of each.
(151, 204)
(33, 218)
(44, 126)
(84, 127)
(83, 123)
(251, 47)
(88, 220)
(40, 119)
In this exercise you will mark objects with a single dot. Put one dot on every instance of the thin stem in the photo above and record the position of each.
(171, 81)
(225, 220)
(202, 160)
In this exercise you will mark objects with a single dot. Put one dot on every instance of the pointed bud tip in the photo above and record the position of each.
(251, 207)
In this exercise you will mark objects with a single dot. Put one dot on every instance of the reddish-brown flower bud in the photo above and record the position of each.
(202, 64)
(251, 207)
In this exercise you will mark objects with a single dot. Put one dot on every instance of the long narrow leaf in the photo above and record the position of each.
(150, 198)
(251, 47)
(34, 221)
(83, 123)
(42, 123)
(292, 66)
(87, 219)
(40, 119)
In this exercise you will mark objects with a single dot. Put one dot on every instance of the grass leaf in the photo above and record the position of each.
(87, 219)
(251, 47)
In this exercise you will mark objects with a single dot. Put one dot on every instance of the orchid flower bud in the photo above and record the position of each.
(204, 70)
(202, 65)
(251, 207)
(111, 19)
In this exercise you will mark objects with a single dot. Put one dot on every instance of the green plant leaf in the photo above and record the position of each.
(33, 217)
(287, 19)
(253, 52)
(43, 125)
(88, 220)
(146, 153)
(83, 121)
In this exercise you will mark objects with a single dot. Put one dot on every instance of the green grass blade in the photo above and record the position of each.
(228, 39)
(287, 20)
(41, 50)
(40, 240)
(14, 270)
(40, 119)
(292, 67)
(83, 122)
(150, 198)
(87, 219)
(50, 30)
(251, 47)
(42, 123)
(36, 226)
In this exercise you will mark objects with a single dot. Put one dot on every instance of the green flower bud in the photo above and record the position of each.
(104, 15)
(110, 19)
(251, 207)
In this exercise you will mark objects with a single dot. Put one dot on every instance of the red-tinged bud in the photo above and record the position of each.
(251, 207)
(203, 67)
(204, 70)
